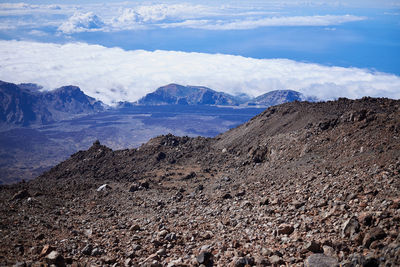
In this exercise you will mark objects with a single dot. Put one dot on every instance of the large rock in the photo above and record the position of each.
(321, 260)
(375, 233)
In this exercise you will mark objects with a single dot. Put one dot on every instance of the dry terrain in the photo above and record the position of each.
(314, 184)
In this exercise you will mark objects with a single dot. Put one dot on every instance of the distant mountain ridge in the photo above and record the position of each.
(175, 94)
(25, 105)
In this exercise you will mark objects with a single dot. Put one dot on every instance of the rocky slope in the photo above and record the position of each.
(24, 104)
(300, 184)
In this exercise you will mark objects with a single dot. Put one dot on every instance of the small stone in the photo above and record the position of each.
(155, 263)
(264, 202)
(285, 229)
(375, 233)
(20, 264)
(206, 258)
(241, 193)
(176, 263)
(358, 239)
(226, 196)
(266, 252)
(162, 233)
(350, 227)
(55, 258)
(313, 247)
(298, 204)
(21, 194)
(370, 262)
(276, 260)
(366, 218)
(162, 252)
(395, 204)
(136, 247)
(134, 187)
(153, 257)
(144, 184)
(130, 254)
(46, 250)
(103, 187)
(135, 227)
(128, 262)
(19, 249)
(87, 250)
(108, 260)
(161, 156)
(170, 237)
(243, 261)
(320, 260)
(39, 236)
(260, 261)
(96, 252)
(329, 251)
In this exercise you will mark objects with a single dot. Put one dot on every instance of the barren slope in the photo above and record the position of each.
(298, 180)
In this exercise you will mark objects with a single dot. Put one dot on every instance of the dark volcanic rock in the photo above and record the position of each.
(206, 258)
(375, 233)
(21, 194)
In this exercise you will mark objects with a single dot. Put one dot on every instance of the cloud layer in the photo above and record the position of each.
(111, 17)
(113, 74)
(246, 24)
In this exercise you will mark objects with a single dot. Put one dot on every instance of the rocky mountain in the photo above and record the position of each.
(278, 97)
(187, 95)
(25, 105)
(301, 184)
(175, 94)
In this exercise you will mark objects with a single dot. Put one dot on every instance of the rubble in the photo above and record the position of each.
(313, 197)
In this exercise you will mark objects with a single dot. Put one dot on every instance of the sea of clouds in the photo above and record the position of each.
(113, 74)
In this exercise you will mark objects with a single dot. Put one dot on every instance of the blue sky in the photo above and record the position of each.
(324, 48)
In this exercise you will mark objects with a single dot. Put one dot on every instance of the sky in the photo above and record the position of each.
(121, 50)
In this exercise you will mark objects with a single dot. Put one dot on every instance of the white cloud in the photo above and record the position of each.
(15, 9)
(38, 33)
(80, 22)
(110, 16)
(153, 14)
(112, 74)
(245, 24)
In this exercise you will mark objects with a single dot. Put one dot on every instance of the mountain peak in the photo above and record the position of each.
(25, 104)
(278, 97)
(176, 94)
